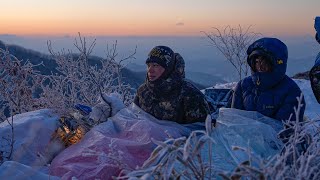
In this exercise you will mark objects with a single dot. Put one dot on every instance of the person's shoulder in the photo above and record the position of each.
(189, 85)
(246, 82)
(142, 87)
(188, 88)
(291, 84)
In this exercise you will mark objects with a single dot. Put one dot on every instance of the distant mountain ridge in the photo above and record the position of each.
(135, 79)
(205, 79)
(49, 64)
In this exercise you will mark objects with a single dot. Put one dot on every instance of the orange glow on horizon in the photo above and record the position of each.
(140, 28)
(146, 18)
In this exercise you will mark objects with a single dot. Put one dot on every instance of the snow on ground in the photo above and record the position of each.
(32, 132)
(312, 106)
(16, 170)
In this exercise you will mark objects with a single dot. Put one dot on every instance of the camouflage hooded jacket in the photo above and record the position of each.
(174, 98)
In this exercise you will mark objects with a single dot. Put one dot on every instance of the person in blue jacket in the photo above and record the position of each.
(314, 73)
(268, 90)
(317, 28)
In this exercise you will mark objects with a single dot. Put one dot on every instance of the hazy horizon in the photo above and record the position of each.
(165, 17)
(199, 54)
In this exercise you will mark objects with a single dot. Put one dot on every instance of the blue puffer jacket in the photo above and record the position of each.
(314, 72)
(273, 94)
(317, 28)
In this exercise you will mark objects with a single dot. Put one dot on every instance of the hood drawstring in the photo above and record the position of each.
(258, 81)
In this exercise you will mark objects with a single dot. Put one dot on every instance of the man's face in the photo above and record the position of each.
(154, 71)
(262, 65)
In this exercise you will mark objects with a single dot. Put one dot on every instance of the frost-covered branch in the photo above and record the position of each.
(18, 83)
(81, 78)
(233, 43)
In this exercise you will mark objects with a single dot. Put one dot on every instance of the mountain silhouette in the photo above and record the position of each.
(135, 79)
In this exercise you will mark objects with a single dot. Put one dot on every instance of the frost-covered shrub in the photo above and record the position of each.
(233, 42)
(18, 82)
(82, 79)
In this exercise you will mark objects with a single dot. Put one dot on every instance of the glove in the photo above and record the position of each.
(114, 101)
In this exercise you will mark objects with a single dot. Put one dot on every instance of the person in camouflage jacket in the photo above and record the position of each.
(167, 95)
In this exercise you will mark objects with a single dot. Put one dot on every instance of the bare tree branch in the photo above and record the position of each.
(233, 43)
(81, 78)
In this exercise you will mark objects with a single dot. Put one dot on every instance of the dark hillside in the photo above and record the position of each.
(135, 79)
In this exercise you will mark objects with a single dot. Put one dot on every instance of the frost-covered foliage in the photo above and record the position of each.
(18, 82)
(79, 79)
(233, 44)
(182, 157)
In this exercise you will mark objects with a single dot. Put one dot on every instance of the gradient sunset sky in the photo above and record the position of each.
(155, 17)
